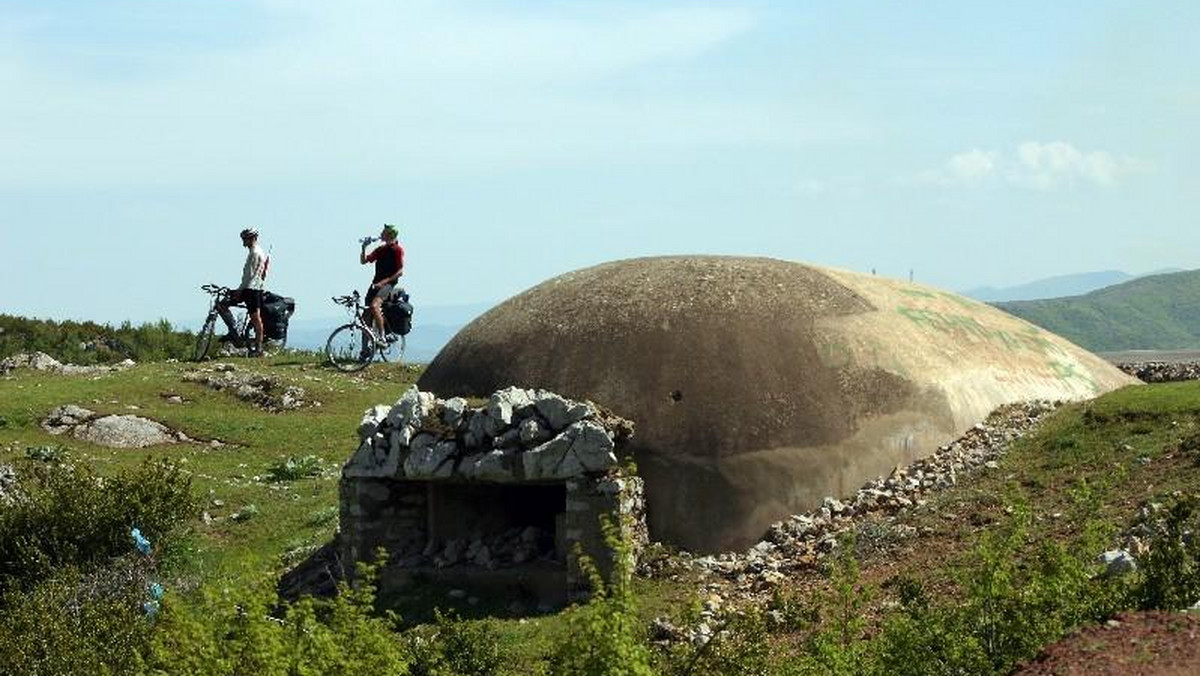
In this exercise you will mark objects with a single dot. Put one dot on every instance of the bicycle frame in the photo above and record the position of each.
(204, 338)
(340, 347)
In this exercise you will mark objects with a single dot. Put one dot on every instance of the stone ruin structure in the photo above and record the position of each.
(500, 497)
(760, 387)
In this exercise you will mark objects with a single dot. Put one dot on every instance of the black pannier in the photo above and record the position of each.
(276, 311)
(398, 314)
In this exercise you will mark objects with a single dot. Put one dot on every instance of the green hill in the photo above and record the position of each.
(1160, 312)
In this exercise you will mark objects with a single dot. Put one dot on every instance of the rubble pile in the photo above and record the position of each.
(513, 547)
(1161, 371)
(518, 435)
(40, 361)
(802, 540)
(264, 391)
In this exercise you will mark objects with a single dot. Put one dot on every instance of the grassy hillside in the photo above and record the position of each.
(1158, 312)
(921, 588)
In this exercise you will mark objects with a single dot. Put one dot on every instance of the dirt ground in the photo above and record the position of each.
(1133, 644)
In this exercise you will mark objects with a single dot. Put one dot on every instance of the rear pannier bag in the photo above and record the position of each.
(276, 311)
(398, 314)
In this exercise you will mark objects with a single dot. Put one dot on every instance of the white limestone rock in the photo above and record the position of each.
(411, 408)
(124, 431)
(362, 462)
(1118, 562)
(592, 445)
(560, 412)
(371, 420)
(455, 412)
(430, 460)
(542, 462)
(495, 466)
(504, 403)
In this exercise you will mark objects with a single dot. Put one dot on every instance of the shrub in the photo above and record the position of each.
(73, 623)
(255, 634)
(738, 647)
(605, 634)
(70, 517)
(51, 453)
(1170, 573)
(456, 647)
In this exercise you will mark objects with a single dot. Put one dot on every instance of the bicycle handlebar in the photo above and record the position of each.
(215, 289)
(348, 301)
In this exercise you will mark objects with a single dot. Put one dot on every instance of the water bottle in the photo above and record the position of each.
(366, 240)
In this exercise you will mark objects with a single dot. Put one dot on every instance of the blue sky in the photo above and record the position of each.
(513, 141)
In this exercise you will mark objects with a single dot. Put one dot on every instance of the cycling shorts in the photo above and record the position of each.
(385, 293)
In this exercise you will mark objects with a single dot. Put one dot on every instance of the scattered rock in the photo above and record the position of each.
(8, 485)
(264, 391)
(40, 361)
(1161, 371)
(113, 431)
(1118, 562)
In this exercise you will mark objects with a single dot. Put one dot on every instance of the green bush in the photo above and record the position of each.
(253, 633)
(92, 343)
(71, 517)
(456, 647)
(51, 453)
(1170, 573)
(605, 635)
(74, 623)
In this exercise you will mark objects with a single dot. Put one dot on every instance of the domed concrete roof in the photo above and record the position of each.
(759, 386)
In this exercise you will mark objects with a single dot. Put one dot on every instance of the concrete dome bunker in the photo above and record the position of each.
(760, 386)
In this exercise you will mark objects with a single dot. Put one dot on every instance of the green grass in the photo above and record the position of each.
(229, 477)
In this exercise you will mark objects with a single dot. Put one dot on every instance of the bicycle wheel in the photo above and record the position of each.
(204, 339)
(394, 352)
(345, 351)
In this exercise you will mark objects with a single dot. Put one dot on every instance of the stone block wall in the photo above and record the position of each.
(522, 481)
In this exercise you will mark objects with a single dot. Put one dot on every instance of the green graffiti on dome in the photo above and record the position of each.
(1067, 371)
(971, 327)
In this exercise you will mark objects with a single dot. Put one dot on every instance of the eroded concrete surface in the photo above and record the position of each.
(761, 386)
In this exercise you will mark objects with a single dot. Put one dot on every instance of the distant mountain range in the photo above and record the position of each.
(1155, 312)
(1056, 287)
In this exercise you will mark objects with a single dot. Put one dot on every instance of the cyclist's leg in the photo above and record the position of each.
(254, 310)
(223, 309)
(377, 315)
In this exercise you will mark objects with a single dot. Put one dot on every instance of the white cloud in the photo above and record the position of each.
(1035, 165)
(972, 165)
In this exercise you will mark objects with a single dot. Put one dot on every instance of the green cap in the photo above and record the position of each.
(391, 229)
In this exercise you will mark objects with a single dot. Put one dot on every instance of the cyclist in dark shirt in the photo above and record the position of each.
(389, 266)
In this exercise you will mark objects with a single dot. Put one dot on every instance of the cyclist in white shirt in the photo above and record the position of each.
(249, 292)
